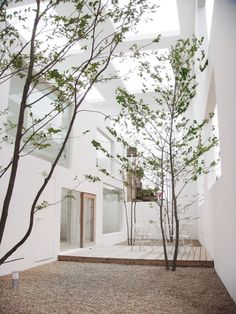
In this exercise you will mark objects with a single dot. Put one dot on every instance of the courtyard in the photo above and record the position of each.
(70, 287)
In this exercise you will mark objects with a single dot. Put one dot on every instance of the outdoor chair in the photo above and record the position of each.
(185, 239)
(142, 235)
(158, 235)
(185, 235)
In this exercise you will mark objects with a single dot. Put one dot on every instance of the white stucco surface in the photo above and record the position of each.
(216, 229)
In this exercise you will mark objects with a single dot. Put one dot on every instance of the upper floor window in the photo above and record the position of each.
(112, 209)
(214, 154)
(217, 148)
(102, 160)
(45, 125)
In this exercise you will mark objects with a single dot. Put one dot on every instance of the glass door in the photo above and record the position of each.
(70, 235)
(88, 219)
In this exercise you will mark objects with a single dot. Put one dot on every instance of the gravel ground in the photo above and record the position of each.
(66, 287)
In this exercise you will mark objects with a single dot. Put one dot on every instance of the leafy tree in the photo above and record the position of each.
(168, 138)
(130, 174)
(36, 40)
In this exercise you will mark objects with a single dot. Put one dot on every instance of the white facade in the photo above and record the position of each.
(217, 230)
(44, 243)
(216, 21)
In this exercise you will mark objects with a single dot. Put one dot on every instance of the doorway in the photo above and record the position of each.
(88, 219)
(70, 220)
(77, 220)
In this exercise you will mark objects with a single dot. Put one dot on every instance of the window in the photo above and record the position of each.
(216, 148)
(40, 111)
(213, 131)
(102, 161)
(112, 209)
(70, 219)
(214, 154)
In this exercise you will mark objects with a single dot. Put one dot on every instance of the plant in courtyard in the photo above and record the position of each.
(172, 144)
(35, 42)
(130, 175)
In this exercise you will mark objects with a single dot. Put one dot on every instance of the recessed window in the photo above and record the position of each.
(70, 220)
(102, 160)
(217, 148)
(112, 209)
(40, 117)
(134, 81)
(214, 154)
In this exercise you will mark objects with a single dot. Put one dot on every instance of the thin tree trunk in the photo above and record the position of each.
(172, 220)
(126, 211)
(174, 200)
(174, 211)
(54, 164)
(39, 193)
(163, 238)
(135, 216)
(176, 235)
(135, 221)
(131, 223)
(169, 232)
(161, 215)
(127, 222)
(23, 105)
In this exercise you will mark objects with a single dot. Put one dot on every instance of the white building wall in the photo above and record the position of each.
(43, 245)
(218, 223)
(148, 214)
(218, 215)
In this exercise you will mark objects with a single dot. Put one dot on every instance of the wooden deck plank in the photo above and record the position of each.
(191, 249)
(191, 254)
(184, 253)
(128, 261)
(181, 253)
(145, 254)
(204, 254)
(198, 256)
(118, 251)
(156, 254)
(209, 258)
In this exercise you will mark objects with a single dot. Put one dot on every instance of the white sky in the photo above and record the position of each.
(131, 80)
(25, 28)
(164, 21)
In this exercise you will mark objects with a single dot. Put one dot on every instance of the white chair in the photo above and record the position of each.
(142, 235)
(185, 239)
(158, 235)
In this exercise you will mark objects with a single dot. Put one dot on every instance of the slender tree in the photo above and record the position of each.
(36, 40)
(168, 138)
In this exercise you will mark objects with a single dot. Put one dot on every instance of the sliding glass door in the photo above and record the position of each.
(70, 236)
(77, 220)
(88, 219)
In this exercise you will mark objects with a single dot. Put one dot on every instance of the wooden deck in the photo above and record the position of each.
(146, 255)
